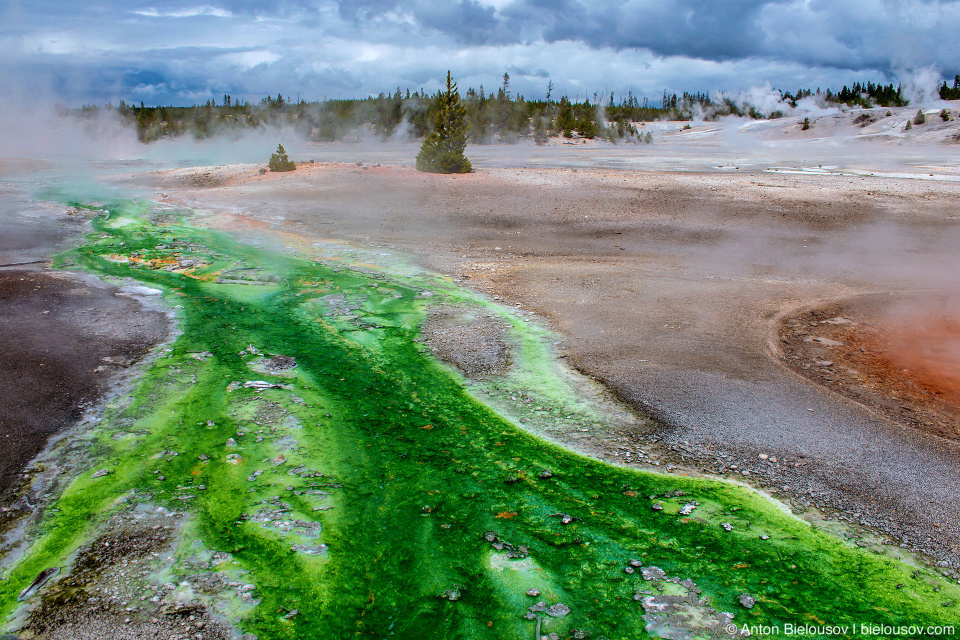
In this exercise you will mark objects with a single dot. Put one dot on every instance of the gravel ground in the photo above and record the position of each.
(113, 592)
(475, 345)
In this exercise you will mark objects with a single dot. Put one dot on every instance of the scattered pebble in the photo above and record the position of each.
(452, 594)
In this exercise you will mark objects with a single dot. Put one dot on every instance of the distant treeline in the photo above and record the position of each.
(869, 95)
(498, 116)
(951, 93)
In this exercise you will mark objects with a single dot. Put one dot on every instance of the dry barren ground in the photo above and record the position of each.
(666, 284)
(65, 338)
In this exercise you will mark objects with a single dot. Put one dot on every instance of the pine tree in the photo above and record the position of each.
(564, 122)
(442, 151)
(540, 130)
(280, 162)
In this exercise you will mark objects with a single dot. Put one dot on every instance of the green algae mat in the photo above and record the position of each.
(363, 491)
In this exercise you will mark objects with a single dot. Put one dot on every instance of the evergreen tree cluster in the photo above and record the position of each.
(951, 93)
(869, 95)
(499, 115)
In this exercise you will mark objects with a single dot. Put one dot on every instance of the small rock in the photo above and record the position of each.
(747, 601)
(261, 384)
(293, 614)
(38, 582)
(565, 519)
(281, 363)
(634, 562)
(653, 573)
(545, 474)
(657, 506)
(533, 592)
(558, 610)
(764, 537)
(203, 456)
(688, 508)
(452, 594)
(101, 473)
(629, 570)
(726, 526)
(231, 442)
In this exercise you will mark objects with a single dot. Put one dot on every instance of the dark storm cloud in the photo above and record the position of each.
(466, 21)
(181, 51)
(699, 28)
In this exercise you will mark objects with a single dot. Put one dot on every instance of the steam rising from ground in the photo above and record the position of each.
(925, 340)
(47, 133)
(922, 87)
(42, 132)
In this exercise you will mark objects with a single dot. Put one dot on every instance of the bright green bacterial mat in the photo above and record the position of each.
(367, 490)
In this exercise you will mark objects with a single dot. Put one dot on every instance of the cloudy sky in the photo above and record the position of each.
(184, 51)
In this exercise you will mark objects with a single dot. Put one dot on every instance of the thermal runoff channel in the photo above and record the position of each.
(297, 464)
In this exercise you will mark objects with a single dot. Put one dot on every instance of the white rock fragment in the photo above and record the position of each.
(261, 384)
